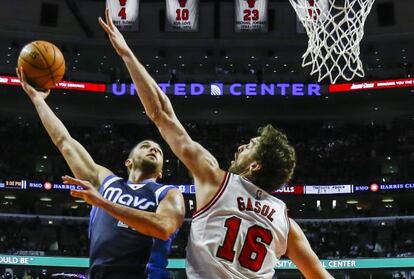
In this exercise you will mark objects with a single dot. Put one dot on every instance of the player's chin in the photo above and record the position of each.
(232, 166)
(150, 160)
(149, 165)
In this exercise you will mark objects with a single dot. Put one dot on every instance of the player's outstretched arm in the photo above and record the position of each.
(302, 255)
(198, 160)
(160, 224)
(78, 159)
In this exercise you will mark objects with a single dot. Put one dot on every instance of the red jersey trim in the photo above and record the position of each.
(215, 198)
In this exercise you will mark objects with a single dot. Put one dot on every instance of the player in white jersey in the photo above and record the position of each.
(241, 233)
(240, 230)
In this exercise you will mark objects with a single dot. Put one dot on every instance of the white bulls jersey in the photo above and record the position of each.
(182, 15)
(241, 233)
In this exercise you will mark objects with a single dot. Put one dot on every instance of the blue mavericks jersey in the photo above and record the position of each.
(114, 244)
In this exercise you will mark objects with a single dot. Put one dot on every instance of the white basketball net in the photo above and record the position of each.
(335, 29)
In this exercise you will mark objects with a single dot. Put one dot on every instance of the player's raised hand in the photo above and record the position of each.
(116, 38)
(30, 90)
(89, 192)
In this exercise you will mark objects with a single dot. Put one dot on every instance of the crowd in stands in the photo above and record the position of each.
(331, 240)
(327, 152)
(37, 237)
(361, 239)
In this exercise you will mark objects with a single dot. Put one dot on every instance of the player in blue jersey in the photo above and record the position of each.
(123, 243)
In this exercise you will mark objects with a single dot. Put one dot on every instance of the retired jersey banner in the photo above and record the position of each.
(124, 14)
(251, 15)
(182, 15)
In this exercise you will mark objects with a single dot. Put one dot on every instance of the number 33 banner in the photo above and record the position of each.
(251, 15)
(182, 15)
(124, 14)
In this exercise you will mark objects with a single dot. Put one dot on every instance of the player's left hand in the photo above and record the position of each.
(30, 90)
(116, 38)
(89, 192)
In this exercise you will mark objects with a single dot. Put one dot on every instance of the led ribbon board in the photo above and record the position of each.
(11, 260)
(190, 188)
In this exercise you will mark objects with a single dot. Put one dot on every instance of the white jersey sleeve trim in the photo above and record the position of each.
(215, 198)
(110, 181)
(159, 191)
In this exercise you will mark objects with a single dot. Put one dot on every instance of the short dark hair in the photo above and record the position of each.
(276, 157)
(131, 152)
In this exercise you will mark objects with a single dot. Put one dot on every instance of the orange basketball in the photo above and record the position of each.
(43, 64)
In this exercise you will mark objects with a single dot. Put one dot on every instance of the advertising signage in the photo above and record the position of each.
(51, 186)
(374, 187)
(339, 264)
(295, 190)
(217, 88)
(233, 89)
(185, 188)
(371, 85)
(328, 189)
(194, 89)
(190, 188)
(70, 85)
(13, 184)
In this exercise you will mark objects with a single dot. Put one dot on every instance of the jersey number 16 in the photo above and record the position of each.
(254, 249)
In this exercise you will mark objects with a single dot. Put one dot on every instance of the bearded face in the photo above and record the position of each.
(147, 156)
(244, 157)
(145, 164)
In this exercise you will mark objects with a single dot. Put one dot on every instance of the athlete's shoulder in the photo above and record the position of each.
(112, 180)
(159, 190)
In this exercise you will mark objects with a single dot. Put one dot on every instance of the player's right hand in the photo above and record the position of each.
(116, 38)
(89, 192)
(30, 90)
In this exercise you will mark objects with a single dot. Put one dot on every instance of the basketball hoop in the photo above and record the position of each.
(335, 29)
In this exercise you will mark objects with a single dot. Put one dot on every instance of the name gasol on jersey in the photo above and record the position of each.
(246, 204)
(116, 195)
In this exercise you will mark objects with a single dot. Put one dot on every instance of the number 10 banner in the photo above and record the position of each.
(251, 15)
(124, 14)
(182, 15)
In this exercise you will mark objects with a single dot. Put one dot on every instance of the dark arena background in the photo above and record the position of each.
(352, 191)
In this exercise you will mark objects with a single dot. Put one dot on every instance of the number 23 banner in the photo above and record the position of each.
(124, 14)
(251, 15)
(182, 15)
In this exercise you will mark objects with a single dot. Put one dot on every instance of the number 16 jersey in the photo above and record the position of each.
(241, 233)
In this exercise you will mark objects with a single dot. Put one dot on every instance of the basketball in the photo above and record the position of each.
(43, 64)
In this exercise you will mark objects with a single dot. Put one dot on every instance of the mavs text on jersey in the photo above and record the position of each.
(117, 250)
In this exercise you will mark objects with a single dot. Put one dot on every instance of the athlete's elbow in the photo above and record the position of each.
(164, 235)
(63, 143)
(160, 111)
(166, 231)
(156, 115)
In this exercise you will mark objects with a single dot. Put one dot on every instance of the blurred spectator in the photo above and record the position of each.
(330, 240)
(327, 152)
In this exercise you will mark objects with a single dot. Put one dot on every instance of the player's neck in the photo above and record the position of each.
(246, 174)
(249, 176)
(137, 176)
